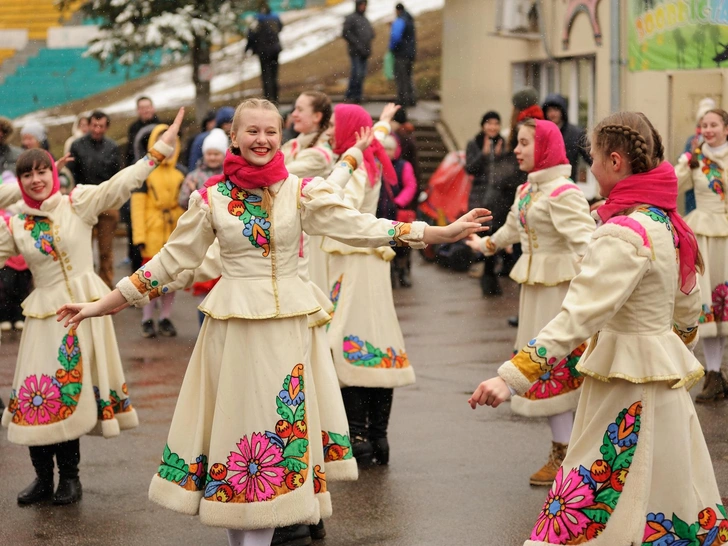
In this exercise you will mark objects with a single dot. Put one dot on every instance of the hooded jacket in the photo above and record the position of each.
(263, 36)
(574, 137)
(154, 207)
(403, 39)
(359, 34)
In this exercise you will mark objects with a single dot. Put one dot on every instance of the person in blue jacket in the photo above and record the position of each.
(403, 45)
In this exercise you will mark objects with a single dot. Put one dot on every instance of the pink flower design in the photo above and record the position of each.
(562, 517)
(720, 302)
(253, 471)
(551, 383)
(39, 400)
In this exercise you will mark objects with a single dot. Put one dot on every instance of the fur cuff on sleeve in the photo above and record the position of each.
(414, 238)
(163, 148)
(130, 293)
(514, 378)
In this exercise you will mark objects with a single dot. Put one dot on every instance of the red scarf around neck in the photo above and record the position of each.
(658, 188)
(250, 177)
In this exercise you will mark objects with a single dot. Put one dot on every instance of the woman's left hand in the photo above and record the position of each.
(364, 138)
(64, 161)
(492, 392)
(466, 225)
(388, 113)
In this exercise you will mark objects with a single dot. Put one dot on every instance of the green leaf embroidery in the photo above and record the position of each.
(284, 411)
(682, 529)
(35, 232)
(296, 448)
(223, 189)
(294, 465)
(598, 515)
(71, 389)
(255, 210)
(624, 459)
(607, 450)
(340, 439)
(173, 468)
(608, 496)
(300, 412)
(722, 510)
(67, 400)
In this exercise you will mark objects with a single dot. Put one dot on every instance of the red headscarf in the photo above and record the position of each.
(32, 203)
(350, 118)
(658, 188)
(247, 176)
(549, 149)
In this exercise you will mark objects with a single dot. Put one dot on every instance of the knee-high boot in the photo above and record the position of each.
(356, 404)
(42, 487)
(380, 407)
(68, 455)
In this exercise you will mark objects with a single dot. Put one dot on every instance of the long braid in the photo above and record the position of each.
(321, 103)
(637, 149)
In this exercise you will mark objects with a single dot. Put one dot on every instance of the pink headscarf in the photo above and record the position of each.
(350, 118)
(32, 203)
(549, 150)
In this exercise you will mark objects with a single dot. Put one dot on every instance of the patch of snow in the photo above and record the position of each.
(302, 36)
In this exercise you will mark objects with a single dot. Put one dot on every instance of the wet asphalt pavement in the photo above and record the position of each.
(457, 476)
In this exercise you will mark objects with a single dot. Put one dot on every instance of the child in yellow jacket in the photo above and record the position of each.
(154, 213)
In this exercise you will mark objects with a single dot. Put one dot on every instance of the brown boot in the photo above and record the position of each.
(547, 474)
(713, 388)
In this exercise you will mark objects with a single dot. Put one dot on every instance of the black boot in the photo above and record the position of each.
(489, 281)
(403, 268)
(292, 535)
(42, 487)
(380, 407)
(318, 531)
(69, 490)
(356, 403)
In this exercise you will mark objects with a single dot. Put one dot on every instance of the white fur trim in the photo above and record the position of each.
(108, 429)
(173, 497)
(163, 148)
(416, 235)
(7, 418)
(325, 509)
(546, 407)
(128, 420)
(129, 291)
(513, 377)
(627, 235)
(342, 471)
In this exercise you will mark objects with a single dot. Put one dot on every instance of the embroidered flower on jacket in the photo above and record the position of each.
(39, 399)
(253, 471)
(562, 515)
(624, 434)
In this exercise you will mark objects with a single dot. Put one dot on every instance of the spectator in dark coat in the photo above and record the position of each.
(8, 154)
(223, 120)
(403, 45)
(146, 116)
(359, 34)
(554, 109)
(263, 41)
(404, 131)
(496, 177)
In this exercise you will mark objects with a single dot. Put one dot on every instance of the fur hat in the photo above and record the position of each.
(216, 140)
(703, 107)
(528, 96)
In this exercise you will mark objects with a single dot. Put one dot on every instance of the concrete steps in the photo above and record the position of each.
(431, 148)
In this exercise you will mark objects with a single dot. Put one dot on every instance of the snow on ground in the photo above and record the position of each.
(302, 36)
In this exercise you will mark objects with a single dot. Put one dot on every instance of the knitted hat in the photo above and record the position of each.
(524, 98)
(216, 140)
(490, 115)
(703, 107)
(34, 129)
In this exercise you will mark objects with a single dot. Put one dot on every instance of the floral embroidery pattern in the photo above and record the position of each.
(720, 303)
(713, 173)
(687, 335)
(143, 281)
(706, 315)
(398, 231)
(262, 466)
(561, 379)
(363, 353)
(337, 447)
(46, 400)
(247, 208)
(532, 361)
(114, 405)
(525, 200)
(659, 215)
(708, 530)
(580, 504)
(40, 230)
(335, 293)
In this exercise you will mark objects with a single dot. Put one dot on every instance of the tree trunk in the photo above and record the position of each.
(200, 58)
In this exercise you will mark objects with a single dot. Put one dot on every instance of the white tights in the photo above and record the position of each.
(255, 537)
(713, 351)
(561, 426)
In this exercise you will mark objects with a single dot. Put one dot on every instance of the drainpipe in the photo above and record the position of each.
(615, 55)
(542, 29)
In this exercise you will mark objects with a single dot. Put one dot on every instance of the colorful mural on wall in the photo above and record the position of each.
(677, 34)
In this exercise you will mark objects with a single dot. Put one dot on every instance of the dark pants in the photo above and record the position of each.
(269, 75)
(14, 288)
(68, 456)
(134, 253)
(367, 410)
(403, 78)
(356, 79)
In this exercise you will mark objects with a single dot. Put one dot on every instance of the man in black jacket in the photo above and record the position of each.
(403, 45)
(96, 158)
(263, 41)
(359, 34)
(554, 109)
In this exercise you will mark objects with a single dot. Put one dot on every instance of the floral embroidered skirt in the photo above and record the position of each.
(340, 464)
(67, 383)
(558, 390)
(364, 334)
(318, 263)
(637, 471)
(713, 320)
(245, 445)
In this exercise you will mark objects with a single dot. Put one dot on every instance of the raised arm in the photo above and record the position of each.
(9, 194)
(684, 172)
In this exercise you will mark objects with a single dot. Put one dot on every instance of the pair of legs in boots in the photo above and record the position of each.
(68, 456)
(368, 409)
(715, 386)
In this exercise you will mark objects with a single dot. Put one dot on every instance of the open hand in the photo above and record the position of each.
(466, 225)
(364, 138)
(473, 241)
(388, 113)
(63, 161)
(169, 137)
(74, 313)
(492, 392)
